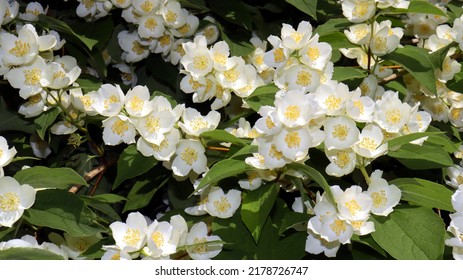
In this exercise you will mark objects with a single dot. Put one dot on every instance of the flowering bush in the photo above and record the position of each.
(197, 129)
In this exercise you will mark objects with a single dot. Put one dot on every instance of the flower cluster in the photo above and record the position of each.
(160, 240)
(335, 222)
(456, 225)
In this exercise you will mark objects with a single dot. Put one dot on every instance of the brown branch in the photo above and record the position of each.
(99, 170)
(392, 77)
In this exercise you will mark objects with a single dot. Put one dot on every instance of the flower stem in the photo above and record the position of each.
(365, 174)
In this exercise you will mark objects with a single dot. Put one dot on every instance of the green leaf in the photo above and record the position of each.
(424, 7)
(131, 164)
(347, 73)
(28, 254)
(60, 26)
(332, 25)
(222, 136)
(49, 178)
(239, 46)
(413, 233)
(246, 150)
(233, 11)
(12, 121)
(426, 156)
(438, 56)
(59, 209)
(417, 62)
(256, 206)
(88, 83)
(337, 40)
(142, 192)
(45, 120)
(293, 219)
(223, 169)
(307, 6)
(262, 96)
(108, 198)
(368, 241)
(405, 139)
(314, 175)
(424, 193)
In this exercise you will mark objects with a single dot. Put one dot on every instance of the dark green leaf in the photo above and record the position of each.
(141, 193)
(256, 206)
(246, 150)
(49, 178)
(293, 219)
(307, 6)
(347, 73)
(414, 233)
(45, 120)
(233, 11)
(417, 62)
(222, 136)
(262, 96)
(59, 209)
(332, 25)
(28, 254)
(424, 193)
(337, 40)
(109, 198)
(426, 156)
(238, 46)
(131, 164)
(12, 121)
(223, 169)
(60, 26)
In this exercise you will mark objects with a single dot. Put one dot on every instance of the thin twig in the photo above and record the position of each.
(92, 173)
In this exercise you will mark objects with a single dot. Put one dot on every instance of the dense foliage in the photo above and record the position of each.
(239, 129)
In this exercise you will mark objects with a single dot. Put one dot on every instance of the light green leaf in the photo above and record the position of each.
(222, 136)
(49, 178)
(223, 169)
(426, 156)
(256, 207)
(405, 139)
(59, 209)
(314, 175)
(246, 150)
(262, 96)
(88, 83)
(413, 233)
(347, 73)
(424, 193)
(45, 120)
(417, 62)
(337, 40)
(332, 25)
(424, 7)
(307, 6)
(131, 164)
(293, 219)
(238, 46)
(28, 254)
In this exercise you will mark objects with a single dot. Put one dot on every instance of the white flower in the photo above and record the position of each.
(342, 162)
(32, 12)
(455, 174)
(316, 54)
(201, 246)
(113, 252)
(294, 143)
(122, 4)
(6, 154)
(269, 123)
(30, 79)
(385, 39)
(110, 100)
(334, 228)
(189, 156)
(332, 97)
(362, 227)
(134, 49)
(131, 235)
(353, 204)
(272, 157)
(198, 60)
(8, 11)
(370, 144)
(74, 246)
(173, 14)
(144, 7)
(62, 77)
(296, 108)
(384, 196)
(222, 205)
(340, 132)
(317, 245)
(390, 113)
(252, 182)
(360, 108)
(456, 228)
(235, 77)
(296, 39)
(118, 129)
(358, 10)
(14, 199)
(163, 44)
(298, 77)
(34, 105)
(21, 49)
(194, 123)
(457, 200)
(163, 151)
(150, 26)
(188, 29)
(159, 239)
(278, 55)
(359, 34)
(137, 102)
